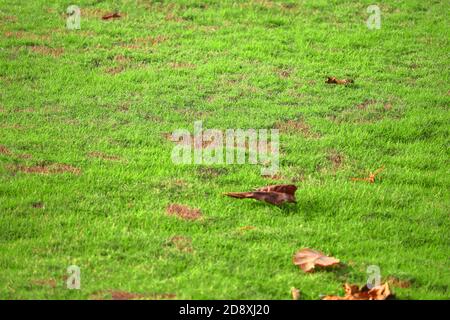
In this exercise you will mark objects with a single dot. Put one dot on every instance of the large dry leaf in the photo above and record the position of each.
(183, 212)
(352, 292)
(307, 259)
(275, 194)
(334, 80)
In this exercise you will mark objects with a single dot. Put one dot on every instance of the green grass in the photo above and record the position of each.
(117, 86)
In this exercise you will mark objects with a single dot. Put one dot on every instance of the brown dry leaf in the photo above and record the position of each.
(371, 177)
(352, 292)
(275, 194)
(183, 212)
(111, 16)
(307, 259)
(295, 294)
(334, 80)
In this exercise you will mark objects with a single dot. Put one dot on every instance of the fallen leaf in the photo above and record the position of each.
(275, 194)
(371, 177)
(334, 80)
(111, 16)
(295, 294)
(352, 292)
(307, 259)
(183, 212)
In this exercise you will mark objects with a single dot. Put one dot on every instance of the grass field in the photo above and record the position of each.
(85, 167)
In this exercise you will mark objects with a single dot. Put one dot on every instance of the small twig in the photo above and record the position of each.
(371, 177)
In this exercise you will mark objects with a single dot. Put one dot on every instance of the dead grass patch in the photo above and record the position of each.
(54, 168)
(124, 295)
(25, 35)
(183, 212)
(369, 111)
(182, 65)
(103, 156)
(399, 283)
(181, 243)
(47, 51)
(4, 150)
(45, 283)
(336, 159)
(297, 126)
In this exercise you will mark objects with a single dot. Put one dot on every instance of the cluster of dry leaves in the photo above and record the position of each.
(308, 259)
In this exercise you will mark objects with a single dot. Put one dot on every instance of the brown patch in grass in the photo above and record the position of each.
(124, 295)
(4, 150)
(44, 282)
(246, 228)
(204, 143)
(26, 36)
(173, 17)
(47, 51)
(92, 12)
(182, 65)
(54, 168)
(183, 244)
(145, 42)
(336, 159)
(370, 111)
(284, 73)
(24, 156)
(295, 126)
(38, 205)
(399, 283)
(115, 70)
(208, 172)
(274, 177)
(103, 156)
(24, 110)
(183, 212)
(365, 104)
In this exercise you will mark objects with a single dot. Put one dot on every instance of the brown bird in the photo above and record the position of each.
(274, 194)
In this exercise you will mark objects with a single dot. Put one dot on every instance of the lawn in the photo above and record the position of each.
(86, 172)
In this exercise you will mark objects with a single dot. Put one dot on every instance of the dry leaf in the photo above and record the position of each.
(333, 80)
(275, 194)
(111, 16)
(307, 259)
(183, 212)
(352, 292)
(371, 177)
